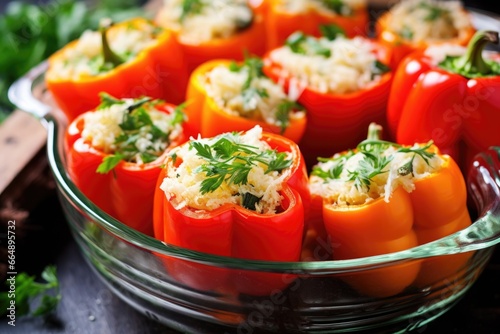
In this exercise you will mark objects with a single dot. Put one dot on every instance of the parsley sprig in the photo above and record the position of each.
(231, 162)
(374, 162)
(30, 292)
(254, 68)
(136, 119)
(190, 7)
(337, 6)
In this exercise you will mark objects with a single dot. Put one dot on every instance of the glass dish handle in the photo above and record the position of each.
(21, 93)
(484, 191)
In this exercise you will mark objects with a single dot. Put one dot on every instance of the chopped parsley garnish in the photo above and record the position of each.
(331, 31)
(253, 66)
(406, 33)
(379, 68)
(434, 11)
(283, 111)
(337, 6)
(190, 7)
(231, 162)
(136, 122)
(300, 43)
(374, 162)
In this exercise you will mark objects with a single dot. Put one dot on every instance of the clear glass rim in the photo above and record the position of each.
(483, 233)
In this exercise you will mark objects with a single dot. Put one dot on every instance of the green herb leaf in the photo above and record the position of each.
(190, 7)
(231, 162)
(337, 6)
(331, 31)
(109, 162)
(379, 68)
(249, 201)
(29, 291)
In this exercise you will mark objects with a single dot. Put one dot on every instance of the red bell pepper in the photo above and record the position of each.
(234, 229)
(248, 36)
(453, 102)
(335, 121)
(110, 175)
(134, 73)
(282, 22)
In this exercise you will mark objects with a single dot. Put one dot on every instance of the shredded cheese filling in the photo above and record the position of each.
(183, 182)
(102, 129)
(259, 101)
(344, 190)
(198, 21)
(421, 20)
(86, 59)
(341, 7)
(348, 67)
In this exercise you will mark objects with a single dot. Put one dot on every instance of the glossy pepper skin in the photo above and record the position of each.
(207, 117)
(456, 108)
(126, 192)
(336, 122)
(234, 231)
(402, 47)
(280, 24)
(158, 71)
(250, 40)
(435, 208)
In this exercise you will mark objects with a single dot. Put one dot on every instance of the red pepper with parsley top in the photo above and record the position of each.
(115, 153)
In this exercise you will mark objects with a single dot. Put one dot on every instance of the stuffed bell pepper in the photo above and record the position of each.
(132, 58)
(225, 96)
(343, 83)
(412, 25)
(114, 154)
(449, 94)
(238, 194)
(209, 30)
(285, 17)
(383, 197)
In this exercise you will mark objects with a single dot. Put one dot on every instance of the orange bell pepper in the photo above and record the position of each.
(335, 121)
(150, 72)
(281, 22)
(111, 177)
(389, 198)
(232, 229)
(402, 43)
(248, 39)
(207, 115)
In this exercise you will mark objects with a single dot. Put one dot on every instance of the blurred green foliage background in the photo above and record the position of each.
(30, 31)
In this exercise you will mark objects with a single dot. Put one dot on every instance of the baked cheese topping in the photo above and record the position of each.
(232, 168)
(86, 58)
(131, 129)
(244, 91)
(340, 7)
(423, 20)
(199, 21)
(360, 176)
(338, 66)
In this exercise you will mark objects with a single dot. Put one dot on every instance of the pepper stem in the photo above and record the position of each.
(109, 55)
(472, 61)
(374, 131)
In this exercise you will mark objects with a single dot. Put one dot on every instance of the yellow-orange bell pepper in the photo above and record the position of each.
(389, 198)
(209, 118)
(281, 22)
(158, 70)
(250, 39)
